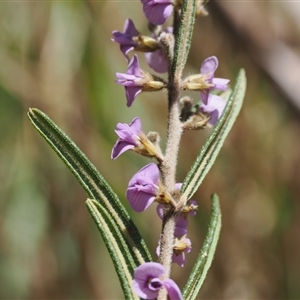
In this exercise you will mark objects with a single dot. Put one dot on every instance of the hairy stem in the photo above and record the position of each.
(183, 33)
(166, 248)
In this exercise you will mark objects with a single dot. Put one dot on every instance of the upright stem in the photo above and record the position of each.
(183, 35)
(173, 135)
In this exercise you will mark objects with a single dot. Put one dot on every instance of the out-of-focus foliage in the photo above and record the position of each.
(58, 56)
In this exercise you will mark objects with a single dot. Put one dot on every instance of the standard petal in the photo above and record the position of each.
(134, 67)
(150, 172)
(209, 65)
(136, 125)
(214, 107)
(129, 28)
(149, 270)
(127, 135)
(157, 12)
(157, 61)
(139, 201)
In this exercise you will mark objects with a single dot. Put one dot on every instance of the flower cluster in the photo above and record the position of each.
(135, 80)
(148, 184)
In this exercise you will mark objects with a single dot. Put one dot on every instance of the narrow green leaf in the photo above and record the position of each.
(212, 147)
(206, 254)
(184, 39)
(94, 184)
(115, 244)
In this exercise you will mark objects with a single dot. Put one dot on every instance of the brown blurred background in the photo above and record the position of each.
(58, 56)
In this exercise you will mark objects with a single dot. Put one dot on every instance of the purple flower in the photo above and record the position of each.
(128, 137)
(182, 246)
(213, 107)
(125, 38)
(143, 187)
(181, 222)
(157, 11)
(157, 59)
(208, 68)
(136, 81)
(147, 282)
(132, 80)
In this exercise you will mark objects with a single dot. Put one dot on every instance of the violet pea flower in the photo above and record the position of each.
(147, 282)
(132, 80)
(214, 107)
(143, 187)
(182, 246)
(157, 11)
(208, 68)
(128, 137)
(136, 81)
(125, 38)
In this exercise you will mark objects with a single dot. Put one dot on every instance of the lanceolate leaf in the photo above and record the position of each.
(212, 147)
(118, 251)
(206, 254)
(126, 233)
(184, 39)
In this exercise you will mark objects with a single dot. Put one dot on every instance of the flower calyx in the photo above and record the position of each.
(190, 208)
(147, 148)
(197, 82)
(164, 197)
(197, 121)
(146, 43)
(181, 245)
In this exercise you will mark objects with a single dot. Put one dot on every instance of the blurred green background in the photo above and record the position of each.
(58, 56)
